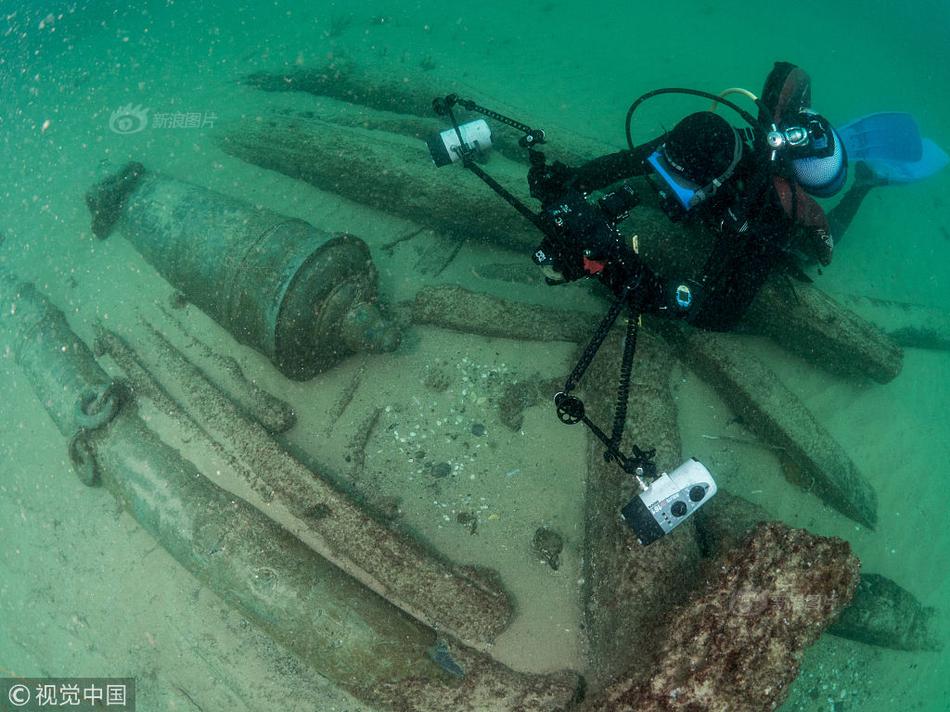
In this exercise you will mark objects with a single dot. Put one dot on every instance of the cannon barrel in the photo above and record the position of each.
(345, 631)
(299, 295)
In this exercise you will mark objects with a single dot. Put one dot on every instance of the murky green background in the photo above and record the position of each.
(72, 596)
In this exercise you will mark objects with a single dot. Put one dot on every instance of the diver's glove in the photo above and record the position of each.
(548, 182)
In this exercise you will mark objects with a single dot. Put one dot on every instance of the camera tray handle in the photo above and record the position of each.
(570, 409)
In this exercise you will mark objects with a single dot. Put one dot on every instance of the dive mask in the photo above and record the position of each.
(679, 194)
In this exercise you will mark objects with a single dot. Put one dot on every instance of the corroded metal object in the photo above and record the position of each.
(381, 93)
(57, 363)
(777, 416)
(346, 632)
(383, 171)
(809, 323)
(274, 415)
(300, 296)
(628, 588)
(886, 614)
(450, 306)
(738, 645)
(547, 545)
(912, 326)
(472, 608)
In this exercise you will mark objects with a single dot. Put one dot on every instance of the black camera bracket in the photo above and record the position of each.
(443, 107)
(570, 408)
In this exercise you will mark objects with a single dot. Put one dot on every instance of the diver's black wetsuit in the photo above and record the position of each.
(761, 216)
(753, 235)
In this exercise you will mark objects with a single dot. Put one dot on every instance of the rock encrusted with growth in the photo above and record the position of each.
(881, 612)
(738, 644)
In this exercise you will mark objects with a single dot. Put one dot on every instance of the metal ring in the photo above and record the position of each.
(83, 459)
(98, 406)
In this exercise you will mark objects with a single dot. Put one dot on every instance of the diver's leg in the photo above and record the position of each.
(840, 217)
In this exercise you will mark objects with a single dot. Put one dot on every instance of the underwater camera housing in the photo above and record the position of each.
(579, 229)
(669, 501)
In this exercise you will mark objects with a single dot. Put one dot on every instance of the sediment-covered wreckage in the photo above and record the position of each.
(372, 609)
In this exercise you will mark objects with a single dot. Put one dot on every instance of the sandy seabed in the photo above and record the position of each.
(83, 591)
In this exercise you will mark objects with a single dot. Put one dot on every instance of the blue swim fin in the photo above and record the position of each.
(933, 159)
(890, 144)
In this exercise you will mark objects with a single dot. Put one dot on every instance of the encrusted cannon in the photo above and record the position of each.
(348, 633)
(301, 296)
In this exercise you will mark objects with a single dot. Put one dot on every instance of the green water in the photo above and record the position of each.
(83, 591)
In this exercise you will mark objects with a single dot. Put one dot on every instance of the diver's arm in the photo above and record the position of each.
(614, 167)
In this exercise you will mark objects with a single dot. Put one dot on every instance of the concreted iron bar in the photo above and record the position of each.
(149, 391)
(346, 80)
(454, 307)
(777, 416)
(886, 614)
(346, 632)
(474, 609)
(738, 644)
(914, 326)
(380, 88)
(628, 588)
(386, 172)
(274, 414)
(808, 322)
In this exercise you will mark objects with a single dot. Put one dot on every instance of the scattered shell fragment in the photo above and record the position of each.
(548, 544)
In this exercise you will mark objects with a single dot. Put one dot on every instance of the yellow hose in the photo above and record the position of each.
(733, 90)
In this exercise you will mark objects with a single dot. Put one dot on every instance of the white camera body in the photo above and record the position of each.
(669, 501)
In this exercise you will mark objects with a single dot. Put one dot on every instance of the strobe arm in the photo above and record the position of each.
(443, 107)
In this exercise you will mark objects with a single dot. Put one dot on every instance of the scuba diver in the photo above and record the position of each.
(752, 187)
